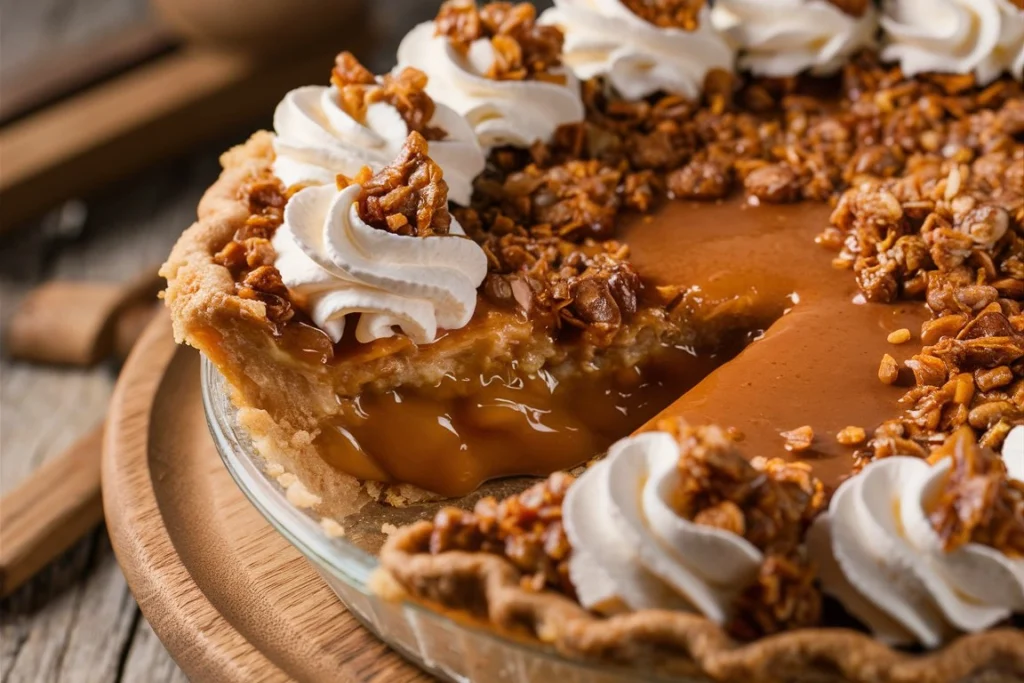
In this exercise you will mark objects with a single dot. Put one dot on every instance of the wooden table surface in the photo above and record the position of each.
(77, 621)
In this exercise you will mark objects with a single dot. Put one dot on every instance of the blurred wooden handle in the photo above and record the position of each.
(63, 71)
(80, 323)
(61, 502)
(58, 504)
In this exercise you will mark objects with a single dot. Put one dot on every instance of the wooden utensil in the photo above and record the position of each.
(61, 72)
(70, 323)
(44, 516)
(80, 323)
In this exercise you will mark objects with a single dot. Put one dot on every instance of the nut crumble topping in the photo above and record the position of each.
(523, 49)
(405, 91)
(979, 502)
(668, 13)
(250, 256)
(778, 499)
(525, 528)
(406, 197)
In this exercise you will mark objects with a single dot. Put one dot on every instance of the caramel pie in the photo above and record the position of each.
(800, 290)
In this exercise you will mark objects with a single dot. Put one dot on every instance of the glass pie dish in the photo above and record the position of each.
(450, 647)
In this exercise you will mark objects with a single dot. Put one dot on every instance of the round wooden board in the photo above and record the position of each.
(229, 597)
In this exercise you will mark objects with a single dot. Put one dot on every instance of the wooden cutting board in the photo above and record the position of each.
(231, 599)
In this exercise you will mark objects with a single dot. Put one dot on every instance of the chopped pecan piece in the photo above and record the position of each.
(900, 336)
(523, 49)
(409, 196)
(682, 14)
(773, 183)
(851, 436)
(778, 499)
(525, 528)
(264, 284)
(888, 370)
(405, 91)
(979, 503)
(799, 439)
(783, 596)
(701, 180)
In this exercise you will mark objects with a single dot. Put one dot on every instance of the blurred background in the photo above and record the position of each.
(112, 116)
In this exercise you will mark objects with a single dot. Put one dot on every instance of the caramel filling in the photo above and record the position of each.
(816, 363)
(747, 270)
(451, 438)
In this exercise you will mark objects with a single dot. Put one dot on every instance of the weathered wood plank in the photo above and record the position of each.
(148, 661)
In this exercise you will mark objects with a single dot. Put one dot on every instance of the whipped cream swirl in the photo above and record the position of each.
(786, 37)
(316, 140)
(604, 38)
(335, 264)
(985, 37)
(880, 557)
(501, 112)
(632, 551)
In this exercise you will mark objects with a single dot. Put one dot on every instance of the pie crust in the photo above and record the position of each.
(489, 586)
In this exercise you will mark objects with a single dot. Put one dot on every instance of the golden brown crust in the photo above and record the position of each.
(489, 586)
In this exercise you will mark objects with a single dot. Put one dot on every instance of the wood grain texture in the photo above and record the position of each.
(50, 511)
(229, 597)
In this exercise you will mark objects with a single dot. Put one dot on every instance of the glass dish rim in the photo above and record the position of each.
(309, 538)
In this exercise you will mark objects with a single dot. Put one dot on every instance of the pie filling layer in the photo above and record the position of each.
(452, 437)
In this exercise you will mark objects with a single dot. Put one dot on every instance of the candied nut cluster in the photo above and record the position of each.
(572, 200)
(771, 503)
(855, 8)
(979, 502)
(250, 255)
(405, 91)
(406, 197)
(523, 49)
(589, 286)
(783, 596)
(525, 528)
(682, 14)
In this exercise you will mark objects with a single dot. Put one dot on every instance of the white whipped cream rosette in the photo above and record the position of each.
(983, 37)
(631, 550)
(604, 38)
(500, 112)
(880, 557)
(337, 265)
(316, 140)
(786, 37)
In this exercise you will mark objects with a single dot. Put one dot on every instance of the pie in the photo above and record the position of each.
(780, 243)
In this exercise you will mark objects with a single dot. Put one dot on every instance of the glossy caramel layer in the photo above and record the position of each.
(816, 363)
(451, 438)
